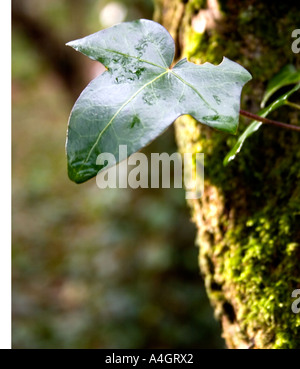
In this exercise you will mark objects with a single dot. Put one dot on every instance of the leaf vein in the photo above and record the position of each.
(118, 111)
(195, 90)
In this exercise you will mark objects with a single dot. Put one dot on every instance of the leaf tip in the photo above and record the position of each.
(228, 158)
(73, 44)
(75, 175)
(69, 43)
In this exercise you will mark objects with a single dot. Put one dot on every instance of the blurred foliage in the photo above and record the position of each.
(93, 268)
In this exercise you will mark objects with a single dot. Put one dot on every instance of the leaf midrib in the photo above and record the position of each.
(194, 89)
(166, 70)
(132, 56)
(118, 111)
(159, 66)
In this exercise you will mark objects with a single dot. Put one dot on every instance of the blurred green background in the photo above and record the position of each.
(91, 268)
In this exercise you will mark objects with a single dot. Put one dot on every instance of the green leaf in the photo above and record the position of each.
(139, 96)
(288, 75)
(254, 126)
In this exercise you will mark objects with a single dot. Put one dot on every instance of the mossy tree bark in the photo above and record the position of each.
(249, 216)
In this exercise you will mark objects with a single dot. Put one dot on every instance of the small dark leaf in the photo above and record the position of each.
(254, 125)
(287, 76)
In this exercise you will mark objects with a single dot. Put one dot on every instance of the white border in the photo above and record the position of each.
(5, 193)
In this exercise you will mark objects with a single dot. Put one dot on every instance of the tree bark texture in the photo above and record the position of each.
(248, 218)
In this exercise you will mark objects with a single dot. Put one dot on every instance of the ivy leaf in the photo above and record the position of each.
(139, 95)
(254, 126)
(288, 75)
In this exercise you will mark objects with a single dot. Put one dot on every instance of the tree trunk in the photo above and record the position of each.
(248, 219)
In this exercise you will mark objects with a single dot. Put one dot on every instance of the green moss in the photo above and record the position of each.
(262, 265)
(253, 37)
(258, 256)
(250, 246)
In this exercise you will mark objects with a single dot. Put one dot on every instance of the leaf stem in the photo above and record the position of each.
(293, 105)
(269, 121)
